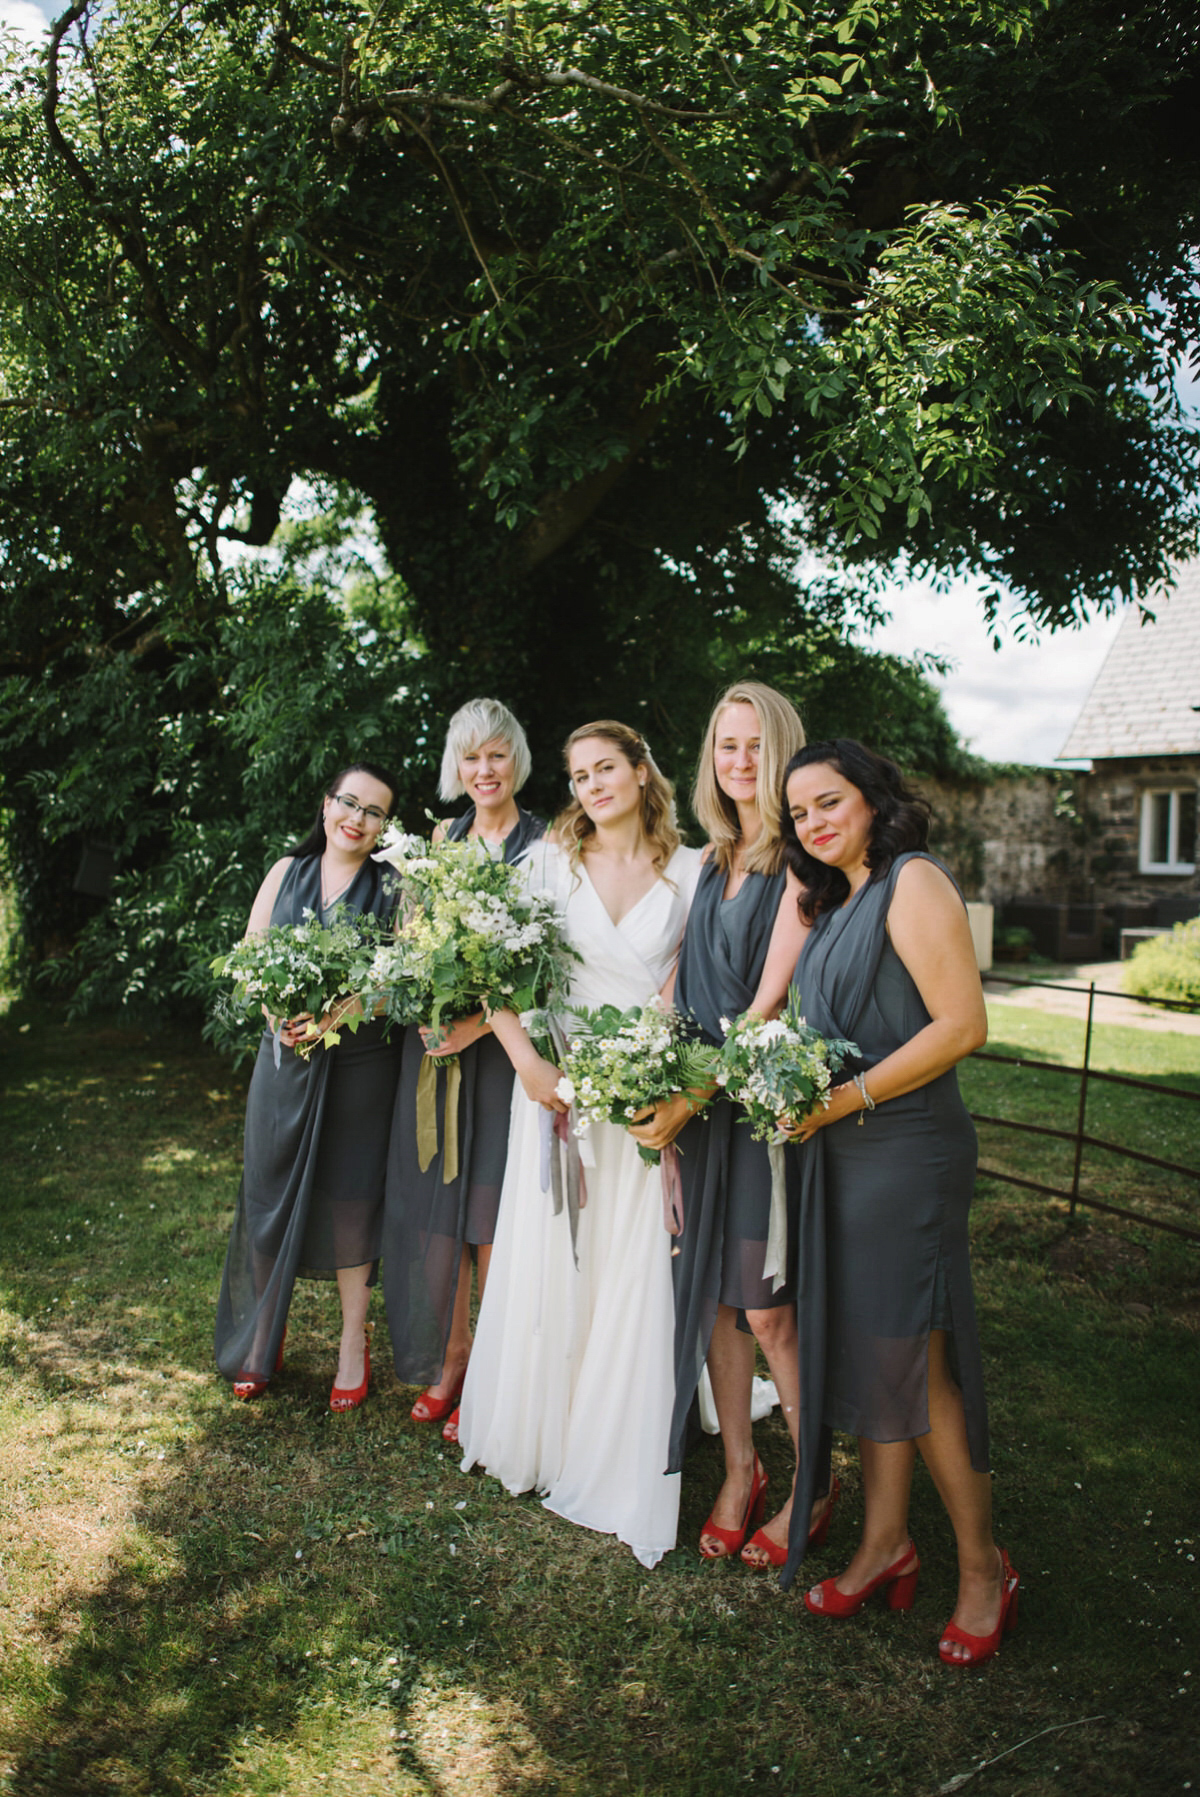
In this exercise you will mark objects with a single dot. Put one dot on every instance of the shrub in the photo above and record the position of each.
(1167, 966)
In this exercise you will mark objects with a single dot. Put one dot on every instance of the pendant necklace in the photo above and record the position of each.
(328, 903)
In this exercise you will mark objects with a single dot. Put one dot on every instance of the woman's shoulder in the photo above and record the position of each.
(683, 870)
(918, 878)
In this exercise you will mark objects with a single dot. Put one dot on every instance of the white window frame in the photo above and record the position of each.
(1174, 865)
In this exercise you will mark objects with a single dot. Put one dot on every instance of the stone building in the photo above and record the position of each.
(1140, 728)
(1079, 855)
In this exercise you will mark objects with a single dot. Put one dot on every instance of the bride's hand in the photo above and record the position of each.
(539, 1080)
(658, 1128)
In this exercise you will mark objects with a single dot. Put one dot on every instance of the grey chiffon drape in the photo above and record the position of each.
(315, 1149)
(726, 1177)
(427, 1220)
(882, 1249)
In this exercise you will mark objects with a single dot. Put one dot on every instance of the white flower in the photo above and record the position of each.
(565, 1089)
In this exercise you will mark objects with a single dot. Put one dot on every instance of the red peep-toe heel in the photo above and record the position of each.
(342, 1399)
(245, 1389)
(981, 1648)
(899, 1587)
(429, 1409)
(775, 1556)
(732, 1539)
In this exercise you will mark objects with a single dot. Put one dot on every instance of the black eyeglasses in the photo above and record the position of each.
(370, 813)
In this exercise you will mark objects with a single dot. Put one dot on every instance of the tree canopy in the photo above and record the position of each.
(609, 315)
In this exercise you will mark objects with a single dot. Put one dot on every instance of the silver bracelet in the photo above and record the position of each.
(868, 1103)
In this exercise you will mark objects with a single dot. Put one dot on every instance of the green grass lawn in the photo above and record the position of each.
(201, 1597)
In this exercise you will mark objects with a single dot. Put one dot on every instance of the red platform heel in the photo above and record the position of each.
(450, 1426)
(342, 1399)
(981, 1648)
(775, 1556)
(245, 1389)
(732, 1539)
(429, 1409)
(900, 1588)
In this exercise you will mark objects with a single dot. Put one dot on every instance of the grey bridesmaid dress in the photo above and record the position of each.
(427, 1219)
(316, 1137)
(725, 1175)
(882, 1246)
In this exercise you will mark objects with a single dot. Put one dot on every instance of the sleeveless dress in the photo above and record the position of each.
(569, 1388)
(883, 1247)
(427, 1219)
(315, 1148)
(726, 1177)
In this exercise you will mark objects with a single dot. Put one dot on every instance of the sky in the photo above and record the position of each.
(1014, 704)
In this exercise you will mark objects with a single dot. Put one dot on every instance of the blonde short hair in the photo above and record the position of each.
(572, 827)
(781, 734)
(477, 722)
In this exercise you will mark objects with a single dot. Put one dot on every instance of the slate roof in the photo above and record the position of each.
(1146, 695)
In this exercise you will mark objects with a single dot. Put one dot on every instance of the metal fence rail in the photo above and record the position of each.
(1086, 1074)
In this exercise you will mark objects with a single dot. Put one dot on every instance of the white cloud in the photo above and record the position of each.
(23, 17)
(1017, 703)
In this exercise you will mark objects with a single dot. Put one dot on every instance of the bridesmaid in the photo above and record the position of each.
(311, 1201)
(745, 905)
(435, 1226)
(889, 1171)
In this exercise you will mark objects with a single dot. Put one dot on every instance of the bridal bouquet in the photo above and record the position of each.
(307, 966)
(622, 1062)
(471, 935)
(777, 1069)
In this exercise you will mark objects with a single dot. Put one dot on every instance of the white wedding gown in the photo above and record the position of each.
(570, 1385)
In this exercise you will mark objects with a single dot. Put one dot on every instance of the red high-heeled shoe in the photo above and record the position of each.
(450, 1426)
(900, 1589)
(245, 1389)
(429, 1409)
(775, 1556)
(732, 1539)
(342, 1399)
(982, 1647)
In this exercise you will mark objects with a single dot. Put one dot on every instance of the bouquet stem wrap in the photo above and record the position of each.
(775, 1259)
(672, 1192)
(427, 1129)
(554, 1128)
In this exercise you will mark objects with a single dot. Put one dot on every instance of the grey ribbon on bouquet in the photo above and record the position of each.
(554, 1127)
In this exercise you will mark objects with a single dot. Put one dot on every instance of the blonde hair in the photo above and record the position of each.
(572, 827)
(477, 722)
(780, 735)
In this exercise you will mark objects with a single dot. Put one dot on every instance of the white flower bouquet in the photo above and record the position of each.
(779, 1069)
(622, 1062)
(309, 966)
(471, 935)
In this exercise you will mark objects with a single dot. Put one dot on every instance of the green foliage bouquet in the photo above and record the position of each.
(779, 1068)
(621, 1062)
(309, 966)
(472, 936)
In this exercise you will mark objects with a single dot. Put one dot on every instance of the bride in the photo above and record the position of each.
(569, 1388)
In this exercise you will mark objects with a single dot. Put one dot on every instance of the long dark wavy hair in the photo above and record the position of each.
(314, 842)
(900, 824)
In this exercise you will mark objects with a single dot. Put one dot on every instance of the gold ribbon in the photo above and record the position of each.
(427, 1126)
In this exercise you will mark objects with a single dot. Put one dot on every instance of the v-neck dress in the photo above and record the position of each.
(315, 1149)
(883, 1253)
(427, 1218)
(569, 1390)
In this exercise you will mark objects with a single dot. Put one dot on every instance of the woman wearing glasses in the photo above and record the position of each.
(440, 1214)
(311, 1203)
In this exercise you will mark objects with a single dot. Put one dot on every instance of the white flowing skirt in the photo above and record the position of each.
(570, 1386)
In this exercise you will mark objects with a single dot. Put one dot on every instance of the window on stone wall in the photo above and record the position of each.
(1168, 844)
